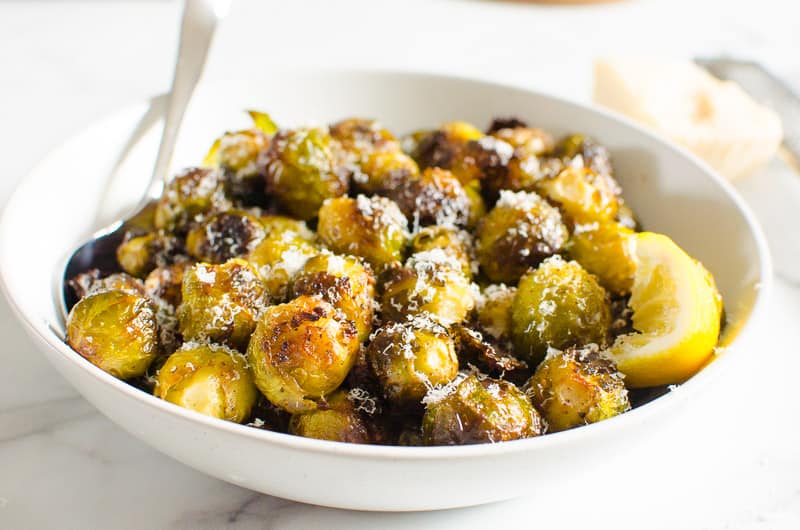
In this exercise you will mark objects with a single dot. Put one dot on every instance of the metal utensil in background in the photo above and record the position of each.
(773, 192)
(198, 25)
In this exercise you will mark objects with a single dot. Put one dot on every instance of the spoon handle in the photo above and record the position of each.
(200, 19)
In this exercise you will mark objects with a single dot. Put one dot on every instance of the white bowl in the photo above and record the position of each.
(56, 207)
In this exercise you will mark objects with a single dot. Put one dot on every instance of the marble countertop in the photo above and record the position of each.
(65, 64)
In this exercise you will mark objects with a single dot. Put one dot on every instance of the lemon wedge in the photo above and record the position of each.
(676, 310)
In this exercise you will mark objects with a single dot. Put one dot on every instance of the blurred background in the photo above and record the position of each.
(64, 64)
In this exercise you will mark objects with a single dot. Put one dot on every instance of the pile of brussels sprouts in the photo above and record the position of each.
(333, 282)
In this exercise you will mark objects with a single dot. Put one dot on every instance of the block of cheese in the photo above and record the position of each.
(716, 120)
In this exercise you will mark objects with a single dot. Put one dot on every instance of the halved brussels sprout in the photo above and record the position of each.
(435, 197)
(116, 331)
(606, 250)
(576, 387)
(279, 257)
(138, 255)
(494, 311)
(193, 192)
(210, 379)
(431, 283)
(221, 303)
(520, 231)
(302, 169)
(454, 242)
(558, 305)
(360, 137)
(165, 283)
(90, 282)
(372, 228)
(335, 419)
(344, 282)
(301, 351)
(226, 235)
(472, 410)
(409, 358)
(447, 148)
(383, 171)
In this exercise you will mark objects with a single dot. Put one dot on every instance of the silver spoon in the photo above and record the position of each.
(200, 19)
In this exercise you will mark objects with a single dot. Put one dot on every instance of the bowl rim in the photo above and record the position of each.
(43, 331)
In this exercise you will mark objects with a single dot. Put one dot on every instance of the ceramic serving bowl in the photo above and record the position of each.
(69, 195)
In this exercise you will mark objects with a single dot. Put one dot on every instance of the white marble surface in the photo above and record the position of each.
(64, 64)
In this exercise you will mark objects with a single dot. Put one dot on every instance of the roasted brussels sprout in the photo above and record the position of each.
(431, 283)
(343, 282)
(606, 250)
(383, 171)
(410, 358)
(505, 122)
(210, 379)
(359, 138)
(301, 351)
(580, 151)
(454, 242)
(90, 282)
(221, 303)
(237, 154)
(372, 228)
(279, 257)
(193, 192)
(116, 331)
(435, 197)
(138, 255)
(447, 148)
(336, 419)
(576, 387)
(472, 410)
(519, 232)
(524, 153)
(494, 311)
(474, 351)
(558, 305)
(302, 169)
(274, 224)
(583, 195)
(226, 235)
(165, 283)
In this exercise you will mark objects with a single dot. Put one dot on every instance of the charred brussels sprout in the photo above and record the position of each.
(556, 306)
(90, 282)
(576, 387)
(237, 154)
(605, 250)
(335, 419)
(344, 282)
(431, 283)
(410, 358)
(359, 138)
(116, 331)
(494, 311)
(524, 152)
(580, 151)
(583, 195)
(302, 169)
(193, 192)
(474, 350)
(519, 232)
(372, 228)
(138, 255)
(454, 242)
(301, 351)
(447, 148)
(224, 236)
(279, 257)
(383, 171)
(165, 282)
(210, 379)
(221, 303)
(479, 411)
(434, 198)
